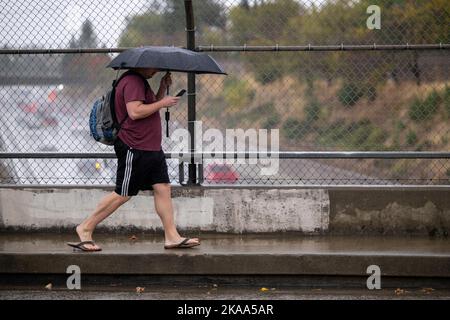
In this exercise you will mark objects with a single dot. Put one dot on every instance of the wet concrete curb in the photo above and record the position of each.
(178, 263)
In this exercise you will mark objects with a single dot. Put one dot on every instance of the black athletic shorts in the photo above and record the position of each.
(138, 169)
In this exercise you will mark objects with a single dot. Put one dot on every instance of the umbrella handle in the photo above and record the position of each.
(167, 116)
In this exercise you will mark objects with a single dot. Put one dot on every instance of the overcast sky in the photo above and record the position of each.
(51, 23)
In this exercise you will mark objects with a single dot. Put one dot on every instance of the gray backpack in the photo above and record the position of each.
(103, 122)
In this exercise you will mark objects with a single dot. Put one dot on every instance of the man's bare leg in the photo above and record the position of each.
(164, 208)
(104, 209)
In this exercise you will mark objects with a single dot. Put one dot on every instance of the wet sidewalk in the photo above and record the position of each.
(222, 254)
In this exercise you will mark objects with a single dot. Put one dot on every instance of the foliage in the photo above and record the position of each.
(272, 121)
(168, 26)
(411, 138)
(349, 94)
(312, 111)
(292, 129)
(356, 135)
(420, 110)
(336, 22)
(237, 93)
(447, 100)
(86, 68)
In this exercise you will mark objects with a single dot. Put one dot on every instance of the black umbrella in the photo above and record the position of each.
(166, 59)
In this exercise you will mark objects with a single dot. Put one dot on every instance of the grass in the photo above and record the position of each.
(272, 121)
(349, 94)
(447, 100)
(293, 129)
(237, 93)
(361, 135)
(421, 110)
(411, 138)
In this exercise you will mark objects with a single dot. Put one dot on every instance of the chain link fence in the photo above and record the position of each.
(342, 99)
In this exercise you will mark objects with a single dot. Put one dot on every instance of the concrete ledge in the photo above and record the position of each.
(228, 264)
(403, 211)
(230, 255)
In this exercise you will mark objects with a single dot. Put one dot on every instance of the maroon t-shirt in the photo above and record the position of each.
(141, 134)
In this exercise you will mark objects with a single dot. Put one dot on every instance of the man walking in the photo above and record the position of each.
(141, 161)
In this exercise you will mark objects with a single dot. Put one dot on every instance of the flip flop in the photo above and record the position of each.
(182, 245)
(82, 246)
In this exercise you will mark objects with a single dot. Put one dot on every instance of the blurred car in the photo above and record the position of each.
(37, 108)
(220, 172)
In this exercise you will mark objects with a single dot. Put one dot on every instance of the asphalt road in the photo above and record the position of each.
(224, 293)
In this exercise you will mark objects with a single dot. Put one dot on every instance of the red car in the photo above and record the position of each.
(220, 172)
(38, 112)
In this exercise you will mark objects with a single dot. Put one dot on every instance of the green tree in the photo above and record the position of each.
(144, 29)
(413, 22)
(336, 22)
(87, 38)
(89, 67)
(333, 23)
(263, 24)
(168, 26)
(266, 21)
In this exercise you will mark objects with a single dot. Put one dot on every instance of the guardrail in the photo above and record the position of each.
(200, 156)
(244, 155)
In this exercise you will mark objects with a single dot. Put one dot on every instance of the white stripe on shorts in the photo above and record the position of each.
(126, 178)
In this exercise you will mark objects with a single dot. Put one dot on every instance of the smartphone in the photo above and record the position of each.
(179, 94)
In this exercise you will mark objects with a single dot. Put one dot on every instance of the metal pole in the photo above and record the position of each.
(268, 48)
(341, 47)
(246, 155)
(190, 40)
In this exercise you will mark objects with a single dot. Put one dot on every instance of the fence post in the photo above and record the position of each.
(190, 40)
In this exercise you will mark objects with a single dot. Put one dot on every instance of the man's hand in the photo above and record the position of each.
(166, 81)
(169, 101)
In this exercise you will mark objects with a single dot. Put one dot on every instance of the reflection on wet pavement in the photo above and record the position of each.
(234, 244)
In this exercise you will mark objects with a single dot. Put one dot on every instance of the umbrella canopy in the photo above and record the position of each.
(166, 59)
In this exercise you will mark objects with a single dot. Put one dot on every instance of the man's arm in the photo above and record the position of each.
(139, 110)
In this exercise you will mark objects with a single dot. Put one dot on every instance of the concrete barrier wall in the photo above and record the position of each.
(390, 211)
(239, 210)
(222, 210)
